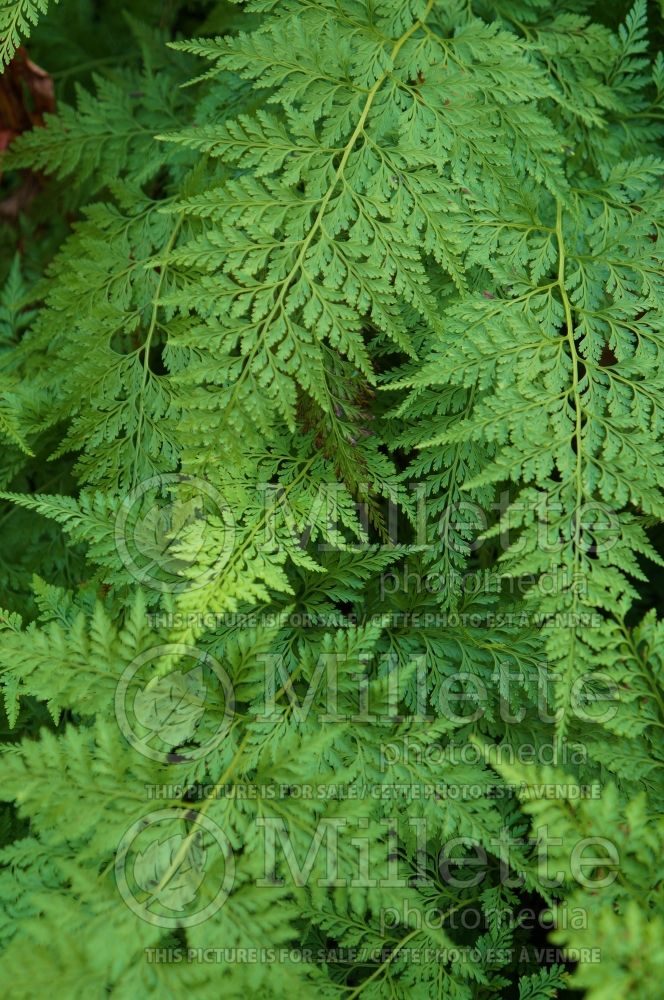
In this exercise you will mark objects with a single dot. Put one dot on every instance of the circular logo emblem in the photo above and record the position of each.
(168, 866)
(189, 706)
(174, 533)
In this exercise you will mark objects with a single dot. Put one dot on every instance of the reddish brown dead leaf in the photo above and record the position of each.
(26, 94)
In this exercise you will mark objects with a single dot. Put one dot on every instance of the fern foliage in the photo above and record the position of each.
(331, 482)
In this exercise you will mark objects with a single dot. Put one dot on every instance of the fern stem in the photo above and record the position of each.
(181, 853)
(148, 341)
(578, 475)
(384, 965)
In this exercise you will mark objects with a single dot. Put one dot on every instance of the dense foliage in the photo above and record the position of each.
(331, 410)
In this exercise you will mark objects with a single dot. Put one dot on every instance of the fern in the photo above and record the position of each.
(331, 501)
(17, 18)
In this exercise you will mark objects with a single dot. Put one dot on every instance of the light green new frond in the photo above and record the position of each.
(543, 984)
(17, 18)
(75, 665)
